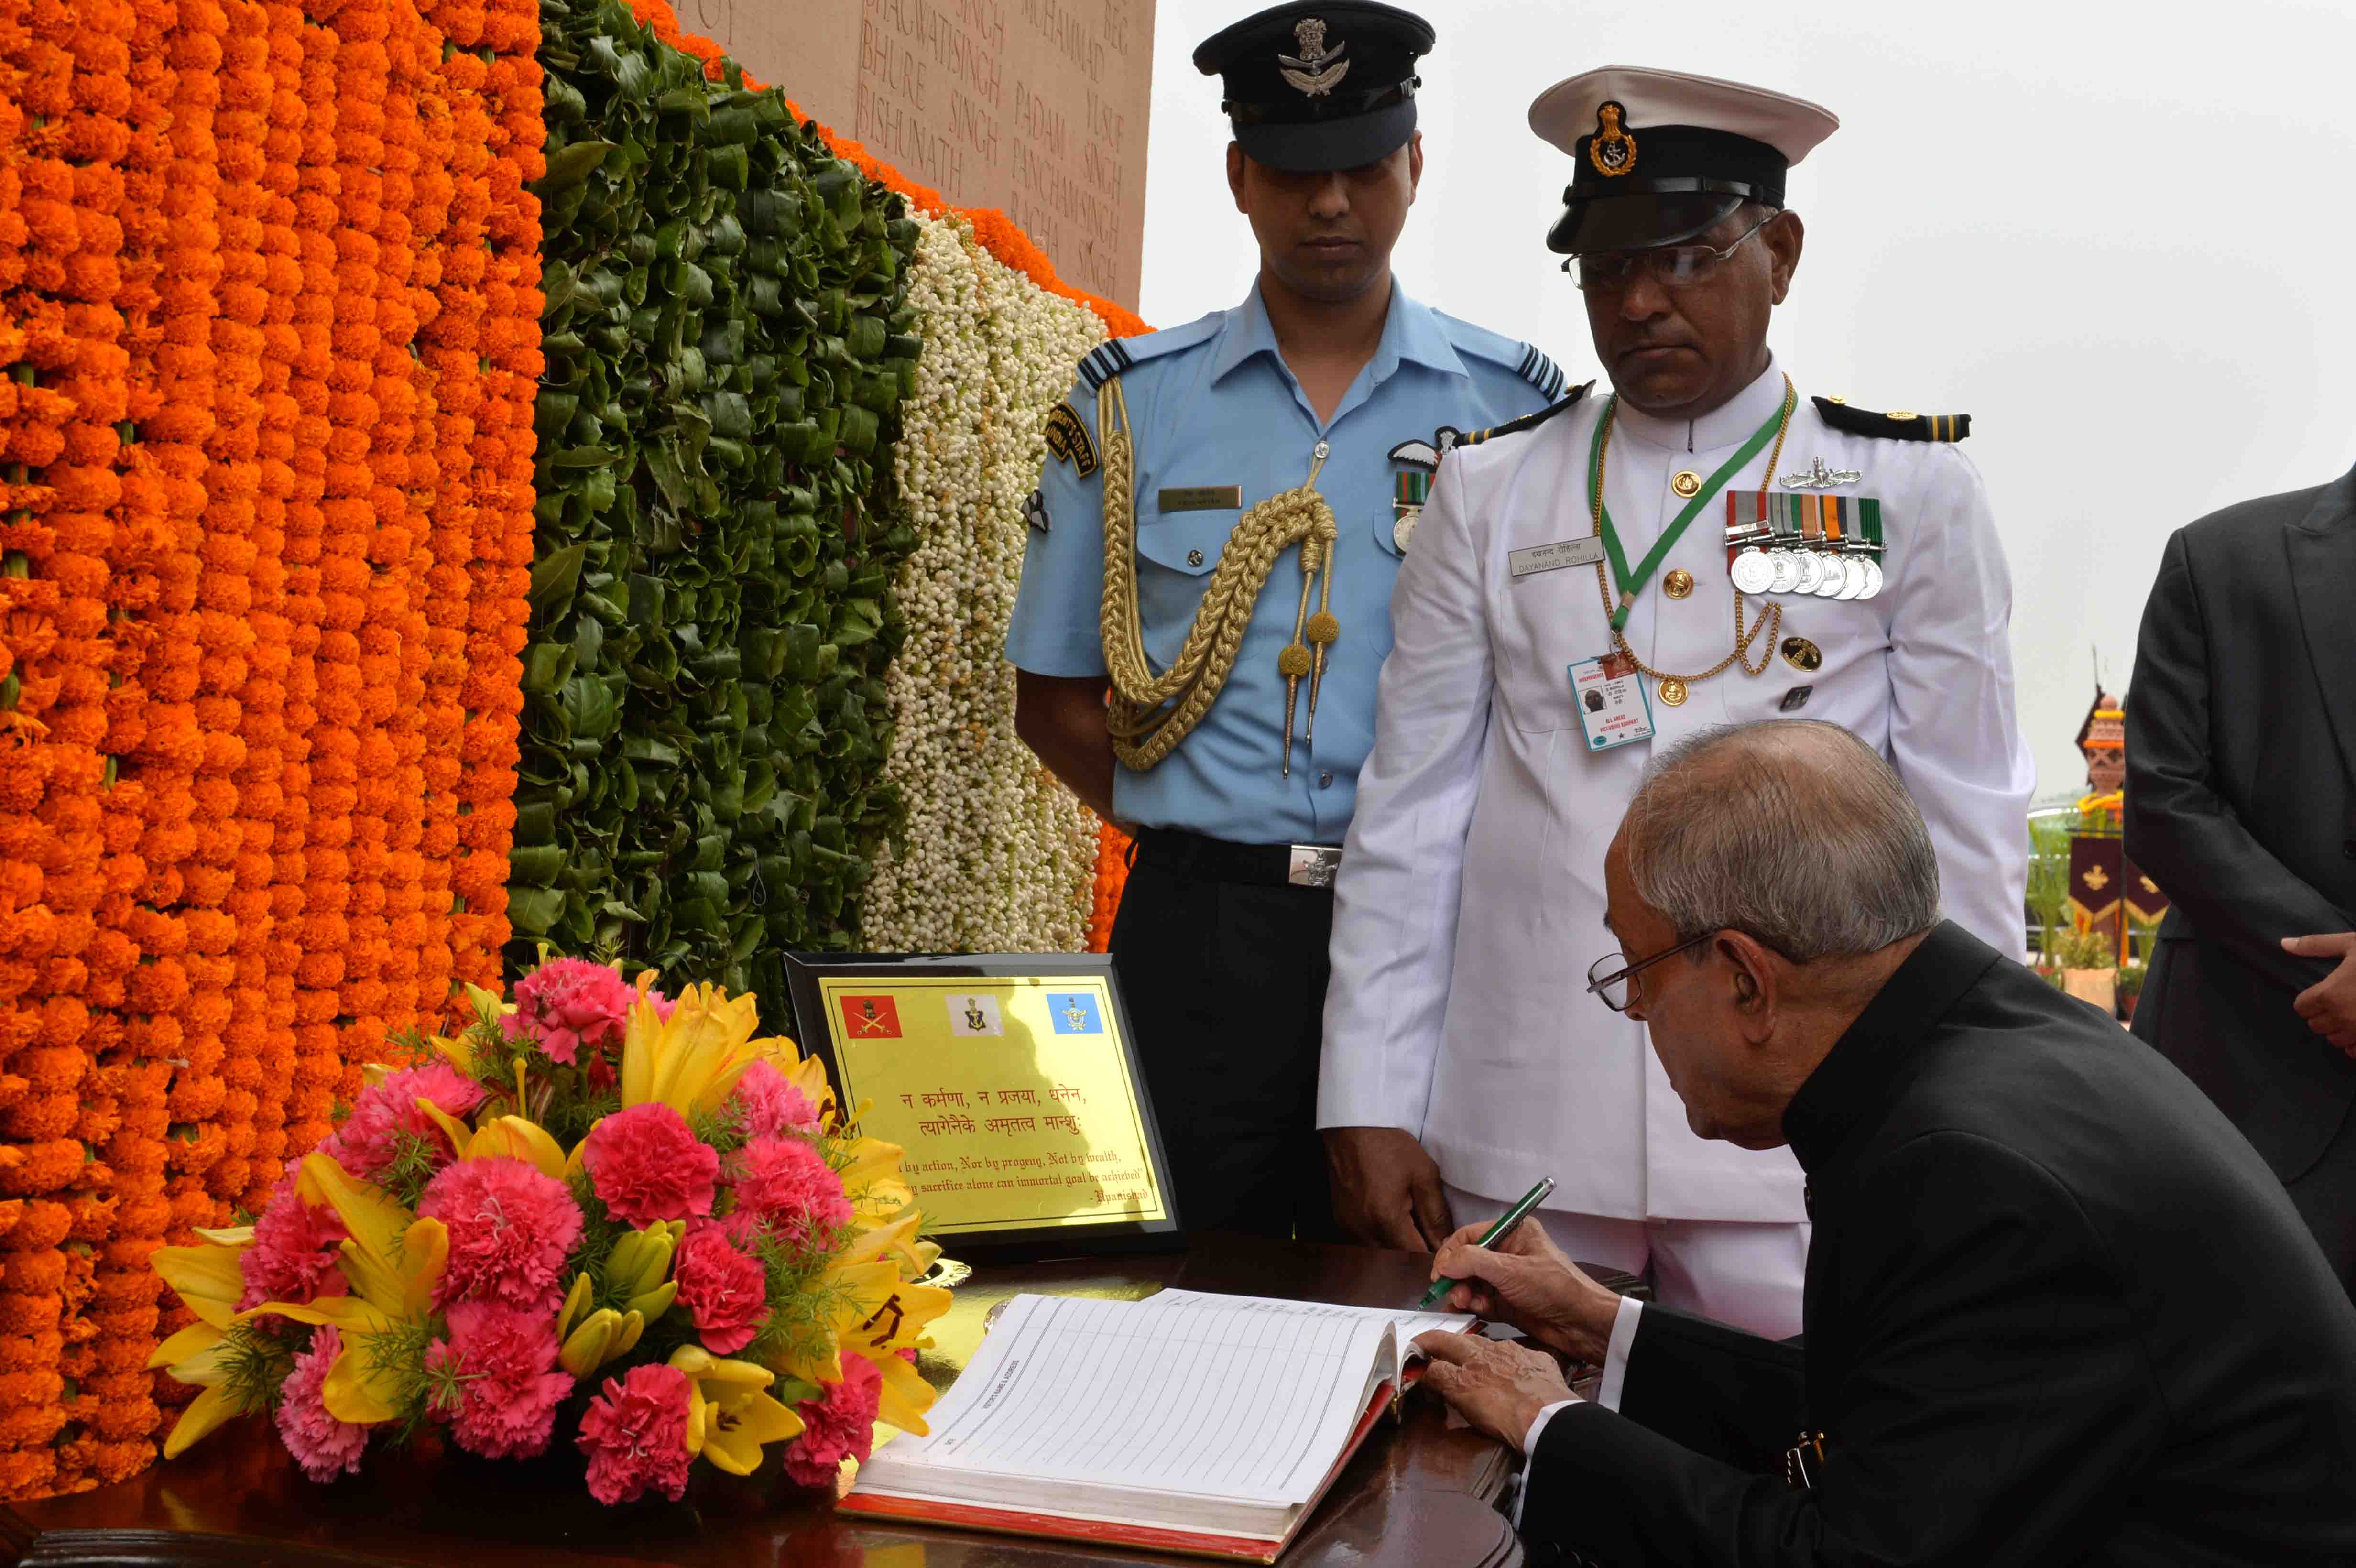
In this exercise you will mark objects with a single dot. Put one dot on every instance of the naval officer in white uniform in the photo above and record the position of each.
(1832, 562)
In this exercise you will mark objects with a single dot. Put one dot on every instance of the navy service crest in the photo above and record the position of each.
(1613, 151)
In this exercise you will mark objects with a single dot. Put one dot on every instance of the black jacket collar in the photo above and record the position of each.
(1850, 1086)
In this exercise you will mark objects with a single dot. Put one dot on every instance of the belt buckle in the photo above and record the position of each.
(1313, 866)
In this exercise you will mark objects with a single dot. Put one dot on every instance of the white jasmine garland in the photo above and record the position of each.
(999, 856)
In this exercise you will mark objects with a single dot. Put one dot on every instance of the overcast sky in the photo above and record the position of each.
(2118, 236)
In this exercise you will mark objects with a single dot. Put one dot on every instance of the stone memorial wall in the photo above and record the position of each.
(1036, 107)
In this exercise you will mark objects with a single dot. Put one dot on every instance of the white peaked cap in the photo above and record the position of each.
(1566, 112)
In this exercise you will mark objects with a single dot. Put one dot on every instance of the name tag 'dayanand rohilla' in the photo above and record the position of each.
(1014, 1096)
(1554, 557)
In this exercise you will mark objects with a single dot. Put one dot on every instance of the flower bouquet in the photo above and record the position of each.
(597, 1213)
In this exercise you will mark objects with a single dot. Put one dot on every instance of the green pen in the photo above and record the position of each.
(1496, 1232)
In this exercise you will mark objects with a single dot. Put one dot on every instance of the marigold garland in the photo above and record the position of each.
(1111, 877)
(266, 537)
(269, 319)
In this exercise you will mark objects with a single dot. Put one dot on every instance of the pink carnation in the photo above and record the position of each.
(568, 1003)
(636, 1434)
(364, 1143)
(767, 1104)
(742, 1228)
(510, 1229)
(661, 1004)
(839, 1424)
(725, 1292)
(646, 1166)
(508, 1384)
(790, 1185)
(324, 1446)
(292, 1258)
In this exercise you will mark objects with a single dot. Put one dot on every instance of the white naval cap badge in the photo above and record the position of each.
(1317, 71)
(1613, 151)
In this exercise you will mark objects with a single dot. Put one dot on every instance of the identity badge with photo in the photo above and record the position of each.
(1613, 706)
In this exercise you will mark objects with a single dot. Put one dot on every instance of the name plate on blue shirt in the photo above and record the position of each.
(1555, 557)
(1200, 497)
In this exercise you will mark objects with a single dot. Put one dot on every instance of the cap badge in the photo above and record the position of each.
(1613, 151)
(1318, 70)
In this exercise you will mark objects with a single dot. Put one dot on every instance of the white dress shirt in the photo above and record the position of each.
(1471, 897)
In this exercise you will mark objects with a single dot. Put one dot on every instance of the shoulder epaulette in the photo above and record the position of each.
(1899, 424)
(1540, 372)
(1115, 354)
(1528, 422)
(1509, 353)
(1107, 360)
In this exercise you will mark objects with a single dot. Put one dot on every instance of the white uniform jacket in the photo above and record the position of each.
(1471, 897)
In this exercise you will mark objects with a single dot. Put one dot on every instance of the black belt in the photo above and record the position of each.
(1260, 865)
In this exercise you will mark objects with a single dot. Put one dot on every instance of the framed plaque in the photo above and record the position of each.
(1012, 1081)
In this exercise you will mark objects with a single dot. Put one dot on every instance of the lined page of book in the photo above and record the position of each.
(1409, 1323)
(1223, 1396)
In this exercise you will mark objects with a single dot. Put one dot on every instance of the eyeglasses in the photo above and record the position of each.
(1612, 984)
(1678, 266)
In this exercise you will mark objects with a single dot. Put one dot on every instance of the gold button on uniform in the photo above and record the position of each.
(1686, 484)
(1677, 583)
(1673, 692)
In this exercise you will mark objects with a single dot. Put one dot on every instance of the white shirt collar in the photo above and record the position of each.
(1728, 424)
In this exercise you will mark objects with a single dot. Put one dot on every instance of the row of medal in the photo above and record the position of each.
(1803, 542)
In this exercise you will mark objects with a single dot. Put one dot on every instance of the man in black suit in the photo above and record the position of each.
(2240, 802)
(2058, 1311)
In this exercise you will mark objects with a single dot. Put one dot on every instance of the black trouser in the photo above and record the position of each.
(1224, 983)
(2325, 1195)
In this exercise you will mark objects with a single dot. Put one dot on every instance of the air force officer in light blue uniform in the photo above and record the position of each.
(1328, 375)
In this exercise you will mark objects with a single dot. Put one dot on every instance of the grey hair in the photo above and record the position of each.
(1794, 831)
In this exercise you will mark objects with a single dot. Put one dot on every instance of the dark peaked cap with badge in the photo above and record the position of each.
(1660, 155)
(1312, 88)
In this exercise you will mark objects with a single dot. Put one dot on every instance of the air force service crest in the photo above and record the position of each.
(1317, 71)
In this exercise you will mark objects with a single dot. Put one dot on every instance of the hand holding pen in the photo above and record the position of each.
(1527, 1281)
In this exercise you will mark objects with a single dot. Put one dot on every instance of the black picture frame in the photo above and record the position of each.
(814, 1029)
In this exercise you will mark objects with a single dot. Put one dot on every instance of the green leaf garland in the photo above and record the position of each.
(728, 339)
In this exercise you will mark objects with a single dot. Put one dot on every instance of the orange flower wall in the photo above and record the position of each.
(269, 311)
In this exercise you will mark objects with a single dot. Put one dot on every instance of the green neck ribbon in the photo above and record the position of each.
(1632, 583)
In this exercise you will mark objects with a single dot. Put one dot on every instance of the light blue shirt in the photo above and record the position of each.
(1212, 404)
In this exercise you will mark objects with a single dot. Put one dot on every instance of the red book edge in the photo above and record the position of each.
(1107, 1532)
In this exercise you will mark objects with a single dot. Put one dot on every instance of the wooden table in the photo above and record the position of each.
(1420, 1496)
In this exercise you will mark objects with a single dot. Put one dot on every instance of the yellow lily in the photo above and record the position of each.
(393, 1260)
(513, 1137)
(871, 1179)
(807, 1073)
(876, 1315)
(917, 1261)
(207, 1281)
(730, 1411)
(459, 1053)
(639, 1266)
(691, 1060)
(599, 1337)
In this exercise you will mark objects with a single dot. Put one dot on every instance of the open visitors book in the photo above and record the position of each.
(1209, 1424)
